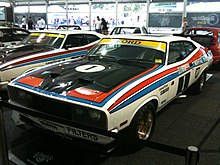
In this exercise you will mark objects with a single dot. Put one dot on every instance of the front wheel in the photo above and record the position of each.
(143, 123)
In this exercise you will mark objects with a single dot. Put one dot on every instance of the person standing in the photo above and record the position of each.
(41, 23)
(23, 22)
(98, 25)
(30, 23)
(104, 27)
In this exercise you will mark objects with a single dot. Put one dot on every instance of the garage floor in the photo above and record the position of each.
(194, 120)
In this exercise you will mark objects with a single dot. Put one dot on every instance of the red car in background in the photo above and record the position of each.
(206, 36)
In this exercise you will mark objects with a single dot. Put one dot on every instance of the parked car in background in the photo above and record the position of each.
(12, 35)
(41, 48)
(114, 92)
(206, 36)
(69, 27)
(128, 30)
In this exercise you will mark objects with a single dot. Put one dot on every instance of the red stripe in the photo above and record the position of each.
(152, 79)
(46, 56)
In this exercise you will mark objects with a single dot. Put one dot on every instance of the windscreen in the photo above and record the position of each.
(126, 49)
(48, 39)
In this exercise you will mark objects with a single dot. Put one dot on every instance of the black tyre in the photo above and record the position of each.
(143, 123)
(199, 85)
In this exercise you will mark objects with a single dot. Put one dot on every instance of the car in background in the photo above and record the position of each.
(41, 48)
(12, 35)
(128, 30)
(206, 36)
(112, 93)
(69, 27)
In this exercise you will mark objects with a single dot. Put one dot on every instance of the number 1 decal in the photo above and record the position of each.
(183, 83)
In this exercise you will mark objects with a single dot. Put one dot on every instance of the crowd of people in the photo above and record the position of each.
(101, 25)
(29, 23)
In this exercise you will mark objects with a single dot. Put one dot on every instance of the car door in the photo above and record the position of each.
(179, 53)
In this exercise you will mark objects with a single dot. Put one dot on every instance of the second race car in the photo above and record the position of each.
(41, 48)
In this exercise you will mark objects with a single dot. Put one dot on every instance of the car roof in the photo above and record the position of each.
(58, 31)
(151, 37)
(128, 26)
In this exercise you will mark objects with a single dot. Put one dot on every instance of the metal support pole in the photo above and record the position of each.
(90, 15)
(67, 13)
(3, 142)
(116, 11)
(147, 15)
(47, 4)
(192, 155)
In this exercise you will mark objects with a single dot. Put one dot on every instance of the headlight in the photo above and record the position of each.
(26, 98)
(90, 117)
(79, 112)
(95, 115)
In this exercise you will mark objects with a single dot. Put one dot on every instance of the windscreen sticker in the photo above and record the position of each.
(155, 44)
(48, 35)
(158, 61)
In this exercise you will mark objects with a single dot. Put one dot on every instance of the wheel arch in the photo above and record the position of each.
(154, 100)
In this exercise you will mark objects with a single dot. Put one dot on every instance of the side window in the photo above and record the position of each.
(7, 36)
(176, 52)
(189, 47)
(144, 30)
(74, 41)
(137, 31)
(19, 35)
(91, 38)
(179, 51)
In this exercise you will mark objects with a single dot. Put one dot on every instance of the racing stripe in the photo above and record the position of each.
(138, 91)
(47, 57)
(139, 88)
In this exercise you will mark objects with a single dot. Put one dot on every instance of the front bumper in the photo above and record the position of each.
(98, 139)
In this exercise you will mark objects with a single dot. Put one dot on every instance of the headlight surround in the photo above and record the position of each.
(25, 97)
(76, 113)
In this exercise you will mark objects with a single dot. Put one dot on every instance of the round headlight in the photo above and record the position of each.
(95, 115)
(21, 94)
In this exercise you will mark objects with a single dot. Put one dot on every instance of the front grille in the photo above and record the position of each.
(56, 108)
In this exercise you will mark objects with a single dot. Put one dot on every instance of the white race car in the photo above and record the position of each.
(41, 48)
(115, 90)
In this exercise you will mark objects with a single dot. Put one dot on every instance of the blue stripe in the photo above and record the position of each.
(80, 99)
(154, 86)
(146, 90)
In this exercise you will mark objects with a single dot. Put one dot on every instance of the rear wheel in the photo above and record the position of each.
(199, 85)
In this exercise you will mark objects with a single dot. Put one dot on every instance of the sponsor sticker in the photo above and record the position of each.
(71, 131)
(153, 44)
(48, 35)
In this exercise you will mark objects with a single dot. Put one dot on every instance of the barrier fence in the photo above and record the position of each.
(191, 153)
